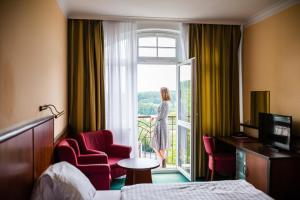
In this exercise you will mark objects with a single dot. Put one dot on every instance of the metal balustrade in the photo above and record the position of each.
(145, 133)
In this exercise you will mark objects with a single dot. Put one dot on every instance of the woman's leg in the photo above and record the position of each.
(162, 154)
(158, 154)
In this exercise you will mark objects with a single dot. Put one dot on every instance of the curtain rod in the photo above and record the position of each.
(157, 19)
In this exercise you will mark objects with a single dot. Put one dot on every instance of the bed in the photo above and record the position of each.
(220, 190)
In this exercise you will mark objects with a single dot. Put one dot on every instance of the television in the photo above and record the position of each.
(275, 130)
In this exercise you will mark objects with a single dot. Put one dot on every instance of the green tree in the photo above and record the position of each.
(148, 102)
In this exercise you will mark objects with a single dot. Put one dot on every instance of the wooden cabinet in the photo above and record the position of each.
(272, 171)
(275, 173)
(257, 170)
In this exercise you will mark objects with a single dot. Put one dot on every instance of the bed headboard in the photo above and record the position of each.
(25, 152)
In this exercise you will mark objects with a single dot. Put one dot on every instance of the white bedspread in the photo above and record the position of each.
(215, 190)
(107, 195)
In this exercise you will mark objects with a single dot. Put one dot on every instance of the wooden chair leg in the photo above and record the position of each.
(212, 175)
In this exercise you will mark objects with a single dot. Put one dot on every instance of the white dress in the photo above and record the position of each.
(160, 134)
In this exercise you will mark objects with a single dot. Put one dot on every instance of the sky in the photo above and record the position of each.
(153, 77)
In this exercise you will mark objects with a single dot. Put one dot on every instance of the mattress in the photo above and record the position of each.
(221, 190)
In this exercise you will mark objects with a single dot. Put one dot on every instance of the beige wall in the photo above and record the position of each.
(271, 61)
(33, 61)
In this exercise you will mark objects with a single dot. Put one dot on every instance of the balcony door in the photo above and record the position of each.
(185, 136)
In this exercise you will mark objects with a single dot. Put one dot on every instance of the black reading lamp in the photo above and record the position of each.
(55, 113)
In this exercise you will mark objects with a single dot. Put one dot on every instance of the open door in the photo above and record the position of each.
(185, 135)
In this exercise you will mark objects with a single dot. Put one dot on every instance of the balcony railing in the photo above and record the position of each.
(145, 133)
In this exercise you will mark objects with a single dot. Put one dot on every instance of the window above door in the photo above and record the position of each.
(157, 47)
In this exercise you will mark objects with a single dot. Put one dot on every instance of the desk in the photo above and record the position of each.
(276, 173)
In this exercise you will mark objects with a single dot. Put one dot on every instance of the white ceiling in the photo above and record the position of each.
(225, 10)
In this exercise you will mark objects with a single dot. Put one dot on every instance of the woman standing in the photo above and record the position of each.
(160, 136)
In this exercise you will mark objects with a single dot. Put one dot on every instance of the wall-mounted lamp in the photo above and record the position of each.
(56, 113)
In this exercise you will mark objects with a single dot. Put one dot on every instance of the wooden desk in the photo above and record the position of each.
(276, 173)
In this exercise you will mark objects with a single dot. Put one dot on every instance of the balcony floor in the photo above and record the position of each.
(153, 156)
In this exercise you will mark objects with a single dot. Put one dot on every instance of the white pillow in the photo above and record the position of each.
(63, 181)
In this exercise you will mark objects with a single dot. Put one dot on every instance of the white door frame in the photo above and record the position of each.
(185, 124)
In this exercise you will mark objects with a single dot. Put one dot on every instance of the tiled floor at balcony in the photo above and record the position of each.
(170, 165)
(117, 184)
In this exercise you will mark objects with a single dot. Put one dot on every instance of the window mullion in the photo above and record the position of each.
(156, 58)
(157, 45)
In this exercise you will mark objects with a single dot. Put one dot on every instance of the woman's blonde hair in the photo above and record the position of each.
(165, 94)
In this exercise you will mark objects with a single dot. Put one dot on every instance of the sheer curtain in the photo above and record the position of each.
(121, 81)
(184, 42)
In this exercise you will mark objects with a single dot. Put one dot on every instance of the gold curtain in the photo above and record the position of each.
(216, 91)
(85, 75)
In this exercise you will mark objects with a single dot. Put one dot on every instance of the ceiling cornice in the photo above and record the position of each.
(259, 16)
(62, 7)
(270, 11)
(160, 19)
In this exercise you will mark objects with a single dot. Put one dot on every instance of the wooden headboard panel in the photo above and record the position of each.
(25, 152)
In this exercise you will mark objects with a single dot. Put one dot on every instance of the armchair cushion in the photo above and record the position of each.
(95, 140)
(121, 151)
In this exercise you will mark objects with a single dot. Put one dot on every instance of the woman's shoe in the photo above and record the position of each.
(163, 163)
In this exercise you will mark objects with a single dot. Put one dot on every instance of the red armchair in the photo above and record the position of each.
(102, 142)
(220, 162)
(92, 165)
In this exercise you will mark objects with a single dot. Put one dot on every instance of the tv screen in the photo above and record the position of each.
(275, 130)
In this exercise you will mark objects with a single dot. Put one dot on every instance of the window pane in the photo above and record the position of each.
(166, 42)
(184, 149)
(184, 99)
(147, 52)
(147, 41)
(167, 52)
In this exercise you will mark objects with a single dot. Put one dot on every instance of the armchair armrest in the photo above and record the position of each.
(93, 151)
(94, 169)
(98, 174)
(119, 150)
(92, 159)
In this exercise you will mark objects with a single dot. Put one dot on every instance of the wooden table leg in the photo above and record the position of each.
(129, 177)
(138, 176)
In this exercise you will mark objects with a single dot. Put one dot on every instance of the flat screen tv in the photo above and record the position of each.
(275, 130)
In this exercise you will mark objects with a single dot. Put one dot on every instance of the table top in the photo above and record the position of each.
(138, 163)
(253, 145)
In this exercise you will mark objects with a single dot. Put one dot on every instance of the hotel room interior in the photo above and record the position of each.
(80, 87)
